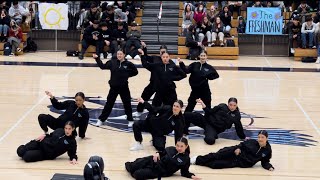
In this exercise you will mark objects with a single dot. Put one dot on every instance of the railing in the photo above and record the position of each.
(159, 19)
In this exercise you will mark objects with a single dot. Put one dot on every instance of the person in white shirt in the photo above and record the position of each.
(16, 12)
(308, 29)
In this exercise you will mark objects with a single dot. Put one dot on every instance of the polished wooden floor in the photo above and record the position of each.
(287, 101)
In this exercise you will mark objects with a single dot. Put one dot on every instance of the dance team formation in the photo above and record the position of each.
(165, 116)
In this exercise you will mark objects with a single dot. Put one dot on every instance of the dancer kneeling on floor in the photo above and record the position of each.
(160, 122)
(244, 155)
(75, 111)
(164, 163)
(216, 120)
(50, 146)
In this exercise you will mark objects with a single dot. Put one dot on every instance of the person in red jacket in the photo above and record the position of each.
(15, 37)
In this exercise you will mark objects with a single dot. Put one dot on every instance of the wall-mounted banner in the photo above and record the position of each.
(264, 21)
(53, 16)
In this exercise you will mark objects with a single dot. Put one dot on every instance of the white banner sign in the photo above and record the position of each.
(53, 16)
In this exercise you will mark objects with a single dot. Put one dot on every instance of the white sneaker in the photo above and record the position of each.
(99, 123)
(130, 124)
(138, 146)
(101, 56)
(137, 57)
(292, 50)
(128, 57)
(109, 56)
(314, 47)
(193, 160)
(318, 60)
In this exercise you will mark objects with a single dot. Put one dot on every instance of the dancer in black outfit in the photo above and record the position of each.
(165, 74)
(50, 146)
(200, 72)
(160, 122)
(121, 71)
(75, 111)
(164, 163)
(216, 120)
(244, 155)
(149, 90)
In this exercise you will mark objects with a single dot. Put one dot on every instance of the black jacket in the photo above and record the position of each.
(120, 71)
(226, 20)
(164, 74)
(105, 35)
(79, 116)
(205, 29)
(88, 32)
(221, 118)
(162, 121)
(153, 59)
(200, 74)
(190, 38)
(118, 34)
(57, 143)
(251, 153)
(171, 161)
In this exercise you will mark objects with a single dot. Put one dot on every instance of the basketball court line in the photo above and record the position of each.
(307, 116)
(268, 62)
(28, 112)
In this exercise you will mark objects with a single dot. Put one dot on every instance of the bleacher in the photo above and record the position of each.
(229, 53)
(92, 49)
(21, 45)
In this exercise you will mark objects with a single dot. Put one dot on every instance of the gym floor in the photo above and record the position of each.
(274, 93)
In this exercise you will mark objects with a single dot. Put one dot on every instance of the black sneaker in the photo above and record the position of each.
(128, 166)
(80, 56)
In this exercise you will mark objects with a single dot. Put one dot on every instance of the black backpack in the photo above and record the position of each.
(93, 170)
(230, 43)
(31, 45)
(7, 49)
(73, 53)
(308, 59)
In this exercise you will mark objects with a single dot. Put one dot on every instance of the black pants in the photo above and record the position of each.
(146, 95)
(125, 96)
(203, 93)
(166, 97)
(31, 152)
(132, 42)
(114, 46)
(100, 47)
(159, 142)
(291, 39)
(46, 120)
(85, 44)
(224, 158)
(198, 119)
(142, 168)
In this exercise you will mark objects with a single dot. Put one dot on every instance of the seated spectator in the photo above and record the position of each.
(234, 6)
(226, 17)
(269, 4)
(303, 10)
(16, 12)
(119, 38)
(308, 29)
(15, 37)
(120, 16)
(257, 4)
(90, 37)
(217, 30)
(4, 25)
(242, 25)
(84, 6)
(133, 39)
(316, 19)
(199, 13)
(317, 39)
(108, 17)
(205, 30)
(105, 40)
(279, 4)
(138, 5)
(4, 5)
(187, 18)
(294, 30)
(212, 13)
(91, 15)
(129, 9)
